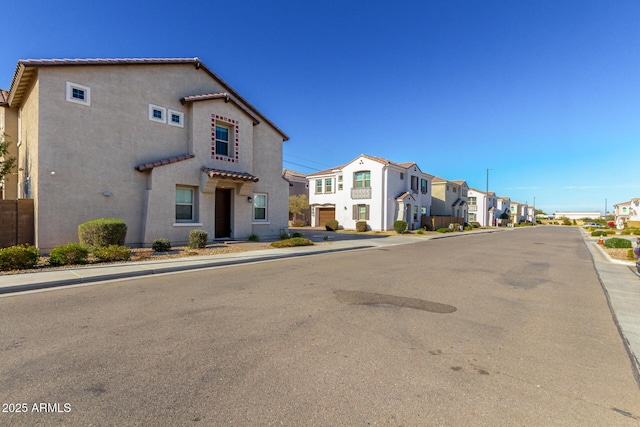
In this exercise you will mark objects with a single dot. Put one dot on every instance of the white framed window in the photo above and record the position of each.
(318, 186)
(185, 205)
(260, 207)
(175, 118)
(157, 113)
(328, 185)
(222, 141)
(360, 212)
(340, 183)
(78, 94)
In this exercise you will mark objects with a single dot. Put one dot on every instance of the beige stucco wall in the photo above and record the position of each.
(93, 151)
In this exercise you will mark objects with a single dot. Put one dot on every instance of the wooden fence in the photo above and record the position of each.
(435, 222)
(16, 222)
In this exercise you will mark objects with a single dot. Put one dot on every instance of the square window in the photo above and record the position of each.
(157, 113)
(176, 118)
(362, 179)
(78, 94)
(185, 204)
(259, 207)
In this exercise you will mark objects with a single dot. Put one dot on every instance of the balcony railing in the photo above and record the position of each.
(361, 193)
(473, 208)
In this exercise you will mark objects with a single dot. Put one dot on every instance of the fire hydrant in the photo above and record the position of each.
(601, 240)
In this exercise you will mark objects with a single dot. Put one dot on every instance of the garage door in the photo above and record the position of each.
(324, 214)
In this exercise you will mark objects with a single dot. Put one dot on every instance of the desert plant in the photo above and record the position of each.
(597, 233)
(444, 230)
(197, 239)
(617, 242)
(71, 253)
(161, 245)
(630, 254)
(361, 226)
(331, 225)
(295, 241)
(112, 253)
(400, 226)
(103, 232)
(18, 257)
(253, 238)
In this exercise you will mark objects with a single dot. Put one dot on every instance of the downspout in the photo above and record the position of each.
(383, 205)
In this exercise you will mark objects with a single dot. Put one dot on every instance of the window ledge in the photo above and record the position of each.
(187, 224)
(261, 223)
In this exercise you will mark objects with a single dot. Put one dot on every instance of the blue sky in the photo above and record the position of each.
(545, 93)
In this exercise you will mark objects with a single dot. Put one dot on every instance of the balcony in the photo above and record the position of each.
(361, 193)
(473, 208)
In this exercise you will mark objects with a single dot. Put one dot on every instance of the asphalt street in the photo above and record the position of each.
(509, 328)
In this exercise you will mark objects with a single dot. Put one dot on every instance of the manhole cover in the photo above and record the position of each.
(369, 298)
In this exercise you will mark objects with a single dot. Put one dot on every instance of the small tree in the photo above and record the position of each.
(6, 162)
(298, 205)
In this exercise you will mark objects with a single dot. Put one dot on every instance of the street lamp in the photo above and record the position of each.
(486, 202)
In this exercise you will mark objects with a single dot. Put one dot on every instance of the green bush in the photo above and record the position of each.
(331, 225)
(296, 234)
(400, 226)
(475, 224)
(18, 257)
(284, 235)
(444, 230)
(198, 239)
(103, 232)
(299, 223)
(161, 245)
(71, 253)
(626, 232)
(598, 233)
(295, 241)
(253, 238)
(420, 231)
(617, 242)
(630, 254)
(361, 226)
(112, 253)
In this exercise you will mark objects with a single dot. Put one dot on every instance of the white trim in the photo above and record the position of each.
(187, 224)
(260, 223)
(87, 94)
(152, 108)
(170, 121)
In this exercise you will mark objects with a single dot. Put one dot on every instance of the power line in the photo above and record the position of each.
(298, 164)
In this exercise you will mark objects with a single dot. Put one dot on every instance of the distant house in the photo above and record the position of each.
(370, 189)
(628, 211)
(482, 207)
(449, 198)
(298, 186)
(164, 144)
(577, 215)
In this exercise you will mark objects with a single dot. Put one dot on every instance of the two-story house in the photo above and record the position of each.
(627, 211)
(449, 198)
(370, 189)
(482, 207)
(164, 144)
(298, 186)
(503, 211)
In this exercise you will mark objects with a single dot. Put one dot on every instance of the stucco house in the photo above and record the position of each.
(298, 186)
(482, 208)
(628, 211)
(370, 189)
(450, 198)
(164, 144)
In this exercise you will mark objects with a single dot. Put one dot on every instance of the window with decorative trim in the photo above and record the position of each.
(260, 207)
(318, 186)
(78, 94)
(157, 113)
(361, 212)
(328, 185)
(362, 179)
(225, 138)
(222, 141)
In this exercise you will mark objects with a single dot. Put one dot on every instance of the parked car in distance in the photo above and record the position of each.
(593, 224)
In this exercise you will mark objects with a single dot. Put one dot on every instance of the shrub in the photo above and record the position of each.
(284, 235)
(400, 226)
(626, 232)
(331, 225)
(112, 253)
(295, 241)
(361, 226)
(444, 230)
(197, 239)
(299, 223)
(161, 245)
(616, 242)
(296, 234)
(71, 253)
(103, 232)
(630, 254)
(611, 224)
(598, 233)
(475, 224)
(420, 231)
(18, 257)
(253, 238)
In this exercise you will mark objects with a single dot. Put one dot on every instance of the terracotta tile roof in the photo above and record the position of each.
(404, 196)
(218, 173)
(327, 171)
(148, 166)
(25, 71)
(222, 95)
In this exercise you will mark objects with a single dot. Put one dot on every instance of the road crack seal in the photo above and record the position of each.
(373, 299)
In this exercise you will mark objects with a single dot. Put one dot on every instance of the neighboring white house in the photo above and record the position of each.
(519, 212)
(577, 215)
(503, 207)
(370, 189)
(482, 209)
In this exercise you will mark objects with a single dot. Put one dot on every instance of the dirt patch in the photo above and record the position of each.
(619, 254)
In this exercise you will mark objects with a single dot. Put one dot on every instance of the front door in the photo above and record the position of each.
(223, 213)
